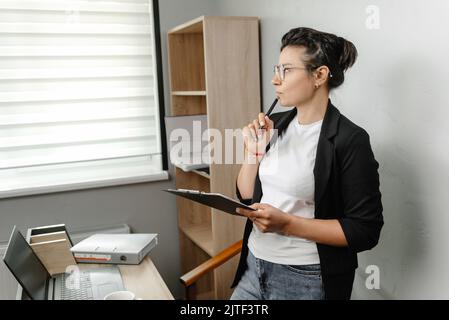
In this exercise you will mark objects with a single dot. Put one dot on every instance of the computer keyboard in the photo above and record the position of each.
(84, 292)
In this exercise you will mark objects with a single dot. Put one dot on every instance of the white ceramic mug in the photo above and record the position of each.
(120, 295)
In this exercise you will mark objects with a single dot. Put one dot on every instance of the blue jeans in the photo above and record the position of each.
(264, 280)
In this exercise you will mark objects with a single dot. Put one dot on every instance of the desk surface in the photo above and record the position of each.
(142, 279)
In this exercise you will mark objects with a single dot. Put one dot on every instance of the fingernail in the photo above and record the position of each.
(237, 210)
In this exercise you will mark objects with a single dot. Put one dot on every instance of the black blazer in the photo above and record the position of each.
(346, 188)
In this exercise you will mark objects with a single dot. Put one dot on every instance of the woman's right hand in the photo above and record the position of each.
(255, 139)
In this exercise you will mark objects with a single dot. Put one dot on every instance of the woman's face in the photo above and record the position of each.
(298, 84)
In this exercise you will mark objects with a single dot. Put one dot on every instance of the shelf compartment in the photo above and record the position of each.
(188, 105)
(192, 180)
(194, 219)
(201, 235)
(186, 61)
(191, 257)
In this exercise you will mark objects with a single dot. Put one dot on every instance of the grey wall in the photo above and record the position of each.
(397, 92)
(142, 206)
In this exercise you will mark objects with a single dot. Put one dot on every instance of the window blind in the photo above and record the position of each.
(78, 95)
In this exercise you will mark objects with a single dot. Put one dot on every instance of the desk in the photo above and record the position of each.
(142, 279)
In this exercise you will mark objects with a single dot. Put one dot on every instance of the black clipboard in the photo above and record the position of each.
(214, 200)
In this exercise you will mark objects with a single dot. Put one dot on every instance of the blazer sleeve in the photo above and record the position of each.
(362, 218)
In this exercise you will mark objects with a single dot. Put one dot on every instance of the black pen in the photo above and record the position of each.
(269, 110)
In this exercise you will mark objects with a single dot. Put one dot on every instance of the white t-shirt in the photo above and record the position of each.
(288, 183)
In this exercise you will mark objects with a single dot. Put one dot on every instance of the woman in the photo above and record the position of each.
(315, 188)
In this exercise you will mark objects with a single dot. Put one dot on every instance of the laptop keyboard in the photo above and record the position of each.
(84, 292)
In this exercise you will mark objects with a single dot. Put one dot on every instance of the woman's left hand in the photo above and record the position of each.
(267, 218)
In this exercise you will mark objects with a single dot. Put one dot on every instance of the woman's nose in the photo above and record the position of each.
(275, 80)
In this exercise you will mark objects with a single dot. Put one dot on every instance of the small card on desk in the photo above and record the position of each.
(52, 245)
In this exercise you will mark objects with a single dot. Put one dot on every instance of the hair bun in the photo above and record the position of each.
(348, 53)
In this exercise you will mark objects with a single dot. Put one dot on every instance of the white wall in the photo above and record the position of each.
(397, 92)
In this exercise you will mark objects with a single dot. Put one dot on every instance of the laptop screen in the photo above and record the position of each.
(26, 266)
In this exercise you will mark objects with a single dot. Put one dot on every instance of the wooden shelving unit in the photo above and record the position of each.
(214, 70)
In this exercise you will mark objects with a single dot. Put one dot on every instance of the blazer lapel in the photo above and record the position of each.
(325, 151)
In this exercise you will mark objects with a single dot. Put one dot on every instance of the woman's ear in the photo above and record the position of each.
(321, 75)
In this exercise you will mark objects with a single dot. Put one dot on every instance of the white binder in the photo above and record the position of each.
(114, 248)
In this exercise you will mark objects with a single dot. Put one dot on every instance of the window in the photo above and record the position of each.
(80, 95)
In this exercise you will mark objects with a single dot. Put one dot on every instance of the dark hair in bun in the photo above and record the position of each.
(323, 48)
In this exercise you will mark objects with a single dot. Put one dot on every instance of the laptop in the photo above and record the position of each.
(38, 284)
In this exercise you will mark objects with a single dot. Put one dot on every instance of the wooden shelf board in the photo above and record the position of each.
(195, 171)
(201, 235)
(202, 173)
(192, 26)
(188, 93)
